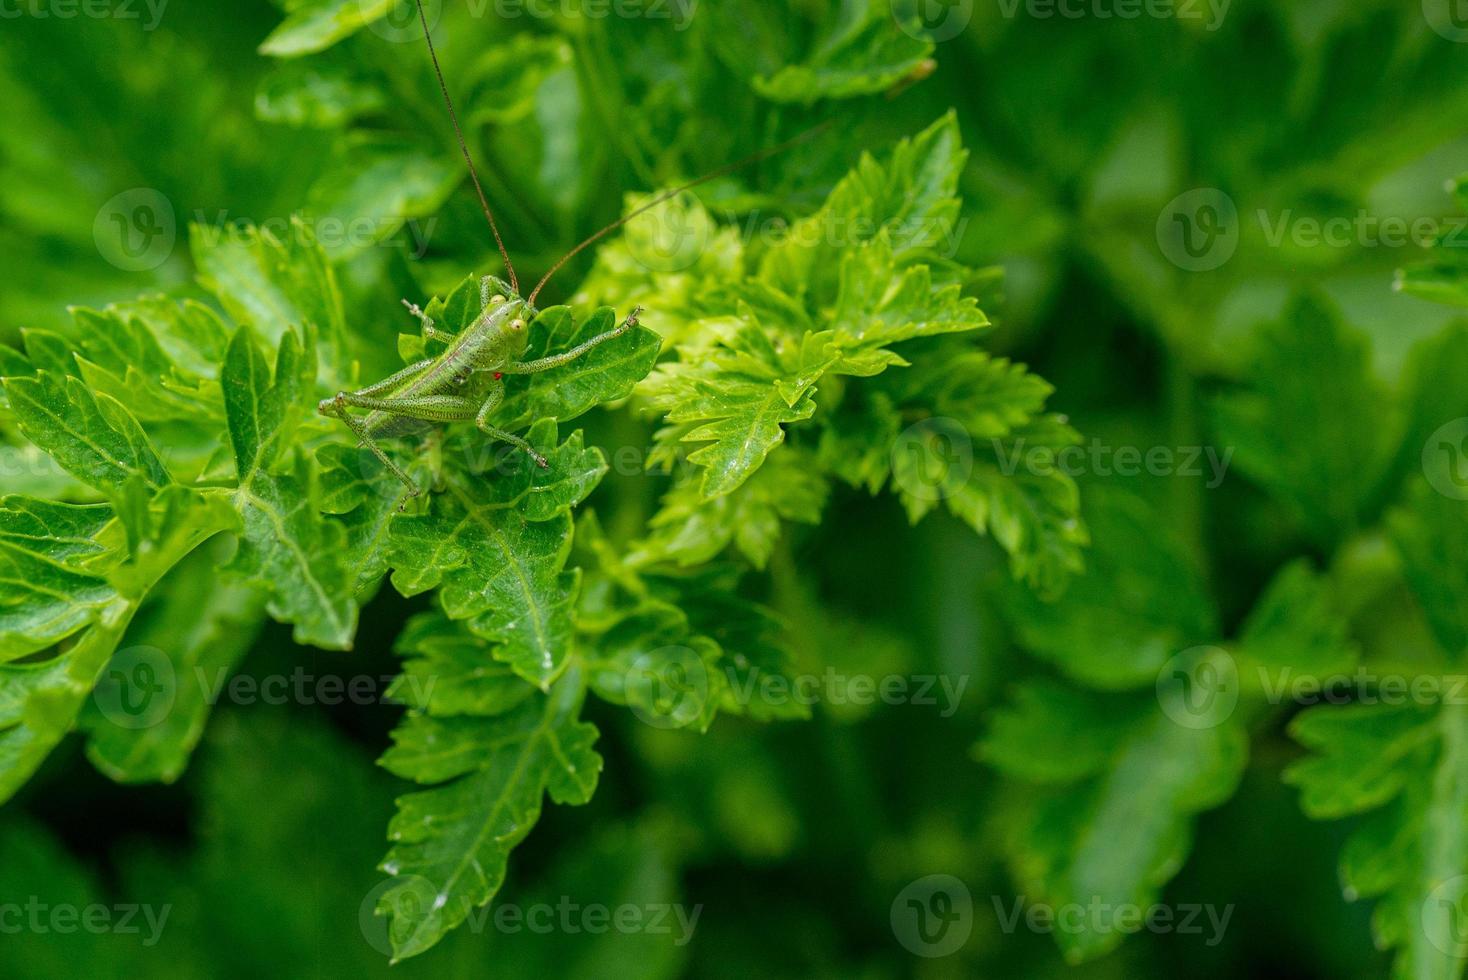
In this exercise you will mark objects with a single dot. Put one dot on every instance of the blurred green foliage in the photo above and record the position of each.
(1319, 545)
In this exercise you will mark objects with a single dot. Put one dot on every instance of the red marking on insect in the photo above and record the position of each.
(498, 375)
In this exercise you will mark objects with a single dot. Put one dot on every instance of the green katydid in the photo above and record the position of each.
(465, 381)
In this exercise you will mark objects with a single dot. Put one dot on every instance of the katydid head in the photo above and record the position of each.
(503, 324)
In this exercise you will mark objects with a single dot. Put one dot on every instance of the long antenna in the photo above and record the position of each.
(464, 148)
(667, 195)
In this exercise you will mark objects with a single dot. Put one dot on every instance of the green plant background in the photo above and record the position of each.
(1322, 548)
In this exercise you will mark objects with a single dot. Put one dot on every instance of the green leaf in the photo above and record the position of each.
(260, 405)
(496, 549)
(862, 52)
(287, 545)
(275, 285)
(1297, 624)
(364, 495)
(156, 357)
(317, 94)
(40, 697)
(1431, 532)
(1310, 369)
(449, 671)
(1405, 765)
(911, 199)
(1140, 602)
(375, 189)
(451, 843)
(691, 530)
(744, 391)
(92, 436)
(190, 634)
(314, 25)
(49, 592)
(1443, 278)
(1129, 782)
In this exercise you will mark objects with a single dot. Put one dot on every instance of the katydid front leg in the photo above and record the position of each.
(429, 331)
(566, 357)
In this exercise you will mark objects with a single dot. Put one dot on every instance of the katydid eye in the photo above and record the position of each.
(517, 324)
(496, 300)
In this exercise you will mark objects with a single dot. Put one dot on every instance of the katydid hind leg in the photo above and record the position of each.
(425, 408)
(366, 439)
(386, 386)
